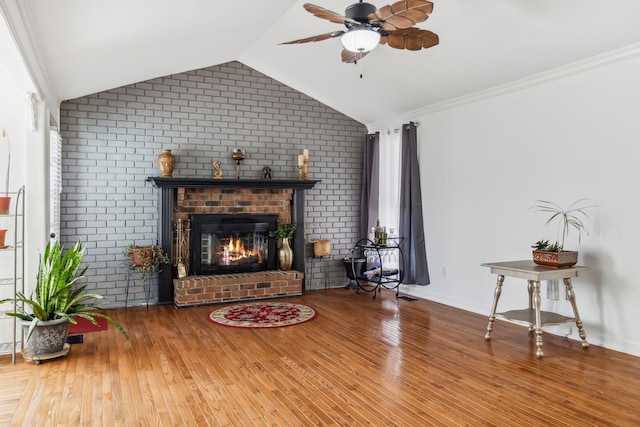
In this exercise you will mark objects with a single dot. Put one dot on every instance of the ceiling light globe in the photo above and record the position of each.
(360, 40)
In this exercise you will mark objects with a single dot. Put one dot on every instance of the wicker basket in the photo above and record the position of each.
(141, 256)
(322, 248)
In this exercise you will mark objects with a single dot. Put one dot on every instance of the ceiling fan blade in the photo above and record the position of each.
(410, 39)
(317, 38)
(402, 14)
(323, 13)
(352, 57)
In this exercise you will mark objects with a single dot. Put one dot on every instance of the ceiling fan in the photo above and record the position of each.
(367, 27)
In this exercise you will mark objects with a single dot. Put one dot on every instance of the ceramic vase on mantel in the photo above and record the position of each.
(285, 255)
(166, 162)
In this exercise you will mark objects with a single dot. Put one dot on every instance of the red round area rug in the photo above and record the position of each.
(263, 315)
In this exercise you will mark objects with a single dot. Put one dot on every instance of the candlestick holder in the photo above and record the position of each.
(305, 169)
(238, 155)
(300, 173)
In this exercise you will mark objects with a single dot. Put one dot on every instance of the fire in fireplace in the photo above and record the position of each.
(222, 243)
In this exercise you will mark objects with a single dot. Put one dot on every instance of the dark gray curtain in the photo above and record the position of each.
(370, 190)
(411, 224)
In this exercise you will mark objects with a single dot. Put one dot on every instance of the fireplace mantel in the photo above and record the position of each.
(160, 182)
(167, 188)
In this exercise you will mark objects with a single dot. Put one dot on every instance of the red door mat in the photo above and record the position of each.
(84, 325)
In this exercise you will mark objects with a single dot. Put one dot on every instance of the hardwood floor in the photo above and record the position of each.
(362, 361)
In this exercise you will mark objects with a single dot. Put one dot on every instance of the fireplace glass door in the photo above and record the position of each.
(232, 243)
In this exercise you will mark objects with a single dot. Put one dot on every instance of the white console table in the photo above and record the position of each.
(535, 318)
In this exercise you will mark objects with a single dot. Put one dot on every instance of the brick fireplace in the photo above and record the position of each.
(179, 198)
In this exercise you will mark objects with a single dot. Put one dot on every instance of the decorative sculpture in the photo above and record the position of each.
(266, 172)
(238, 155)
(217, 174)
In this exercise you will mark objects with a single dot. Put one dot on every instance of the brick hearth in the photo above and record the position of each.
(199, 290)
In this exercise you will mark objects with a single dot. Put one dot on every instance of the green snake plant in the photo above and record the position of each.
(56, 295)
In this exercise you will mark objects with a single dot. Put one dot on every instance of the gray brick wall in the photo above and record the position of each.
(111, 141)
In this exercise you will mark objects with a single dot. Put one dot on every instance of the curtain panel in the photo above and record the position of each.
(411, 222)
(370, 187)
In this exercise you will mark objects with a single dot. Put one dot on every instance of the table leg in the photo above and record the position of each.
(572, 298)
(496, 297)
(530, 289)
(536, 304)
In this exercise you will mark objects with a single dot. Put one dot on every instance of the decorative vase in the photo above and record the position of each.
(3, 233)
(5, 202)
(166, 162)
(285, 255)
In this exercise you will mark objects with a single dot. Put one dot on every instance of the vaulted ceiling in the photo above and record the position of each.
(87, 46)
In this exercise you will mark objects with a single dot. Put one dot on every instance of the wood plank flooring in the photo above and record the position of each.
(362, 361)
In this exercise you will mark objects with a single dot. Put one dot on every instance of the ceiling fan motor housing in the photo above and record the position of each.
(360, 11)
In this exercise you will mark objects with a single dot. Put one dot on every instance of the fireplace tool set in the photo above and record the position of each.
(182, 238)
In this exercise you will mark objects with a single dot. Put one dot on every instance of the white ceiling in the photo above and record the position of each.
(87, 46)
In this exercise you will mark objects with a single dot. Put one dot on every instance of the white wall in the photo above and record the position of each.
(13, 120)
(485, 163)
(29, 165)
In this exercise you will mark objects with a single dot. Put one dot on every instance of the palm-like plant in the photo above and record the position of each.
(571, 217)
(55, 295)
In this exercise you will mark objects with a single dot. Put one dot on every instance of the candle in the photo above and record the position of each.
(305, 153)
(300, 160)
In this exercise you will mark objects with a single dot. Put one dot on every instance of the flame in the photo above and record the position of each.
(235, 246)
(235, 251)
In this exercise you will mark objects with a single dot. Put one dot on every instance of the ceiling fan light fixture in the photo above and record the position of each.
(360, 40)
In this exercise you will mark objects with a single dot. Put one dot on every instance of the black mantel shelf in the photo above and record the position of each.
(167, 189)
(161, 182)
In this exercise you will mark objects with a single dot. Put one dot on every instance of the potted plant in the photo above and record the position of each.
(144, 259)
(3, 233)
(284, 232)
(573, 216)
(56, 302)
(5, 201)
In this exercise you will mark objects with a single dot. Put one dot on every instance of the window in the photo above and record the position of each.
(55, 180)
(389, 184)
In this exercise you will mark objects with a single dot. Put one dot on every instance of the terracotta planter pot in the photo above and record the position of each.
(555, 259)
(3, 233)
(5, 203)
